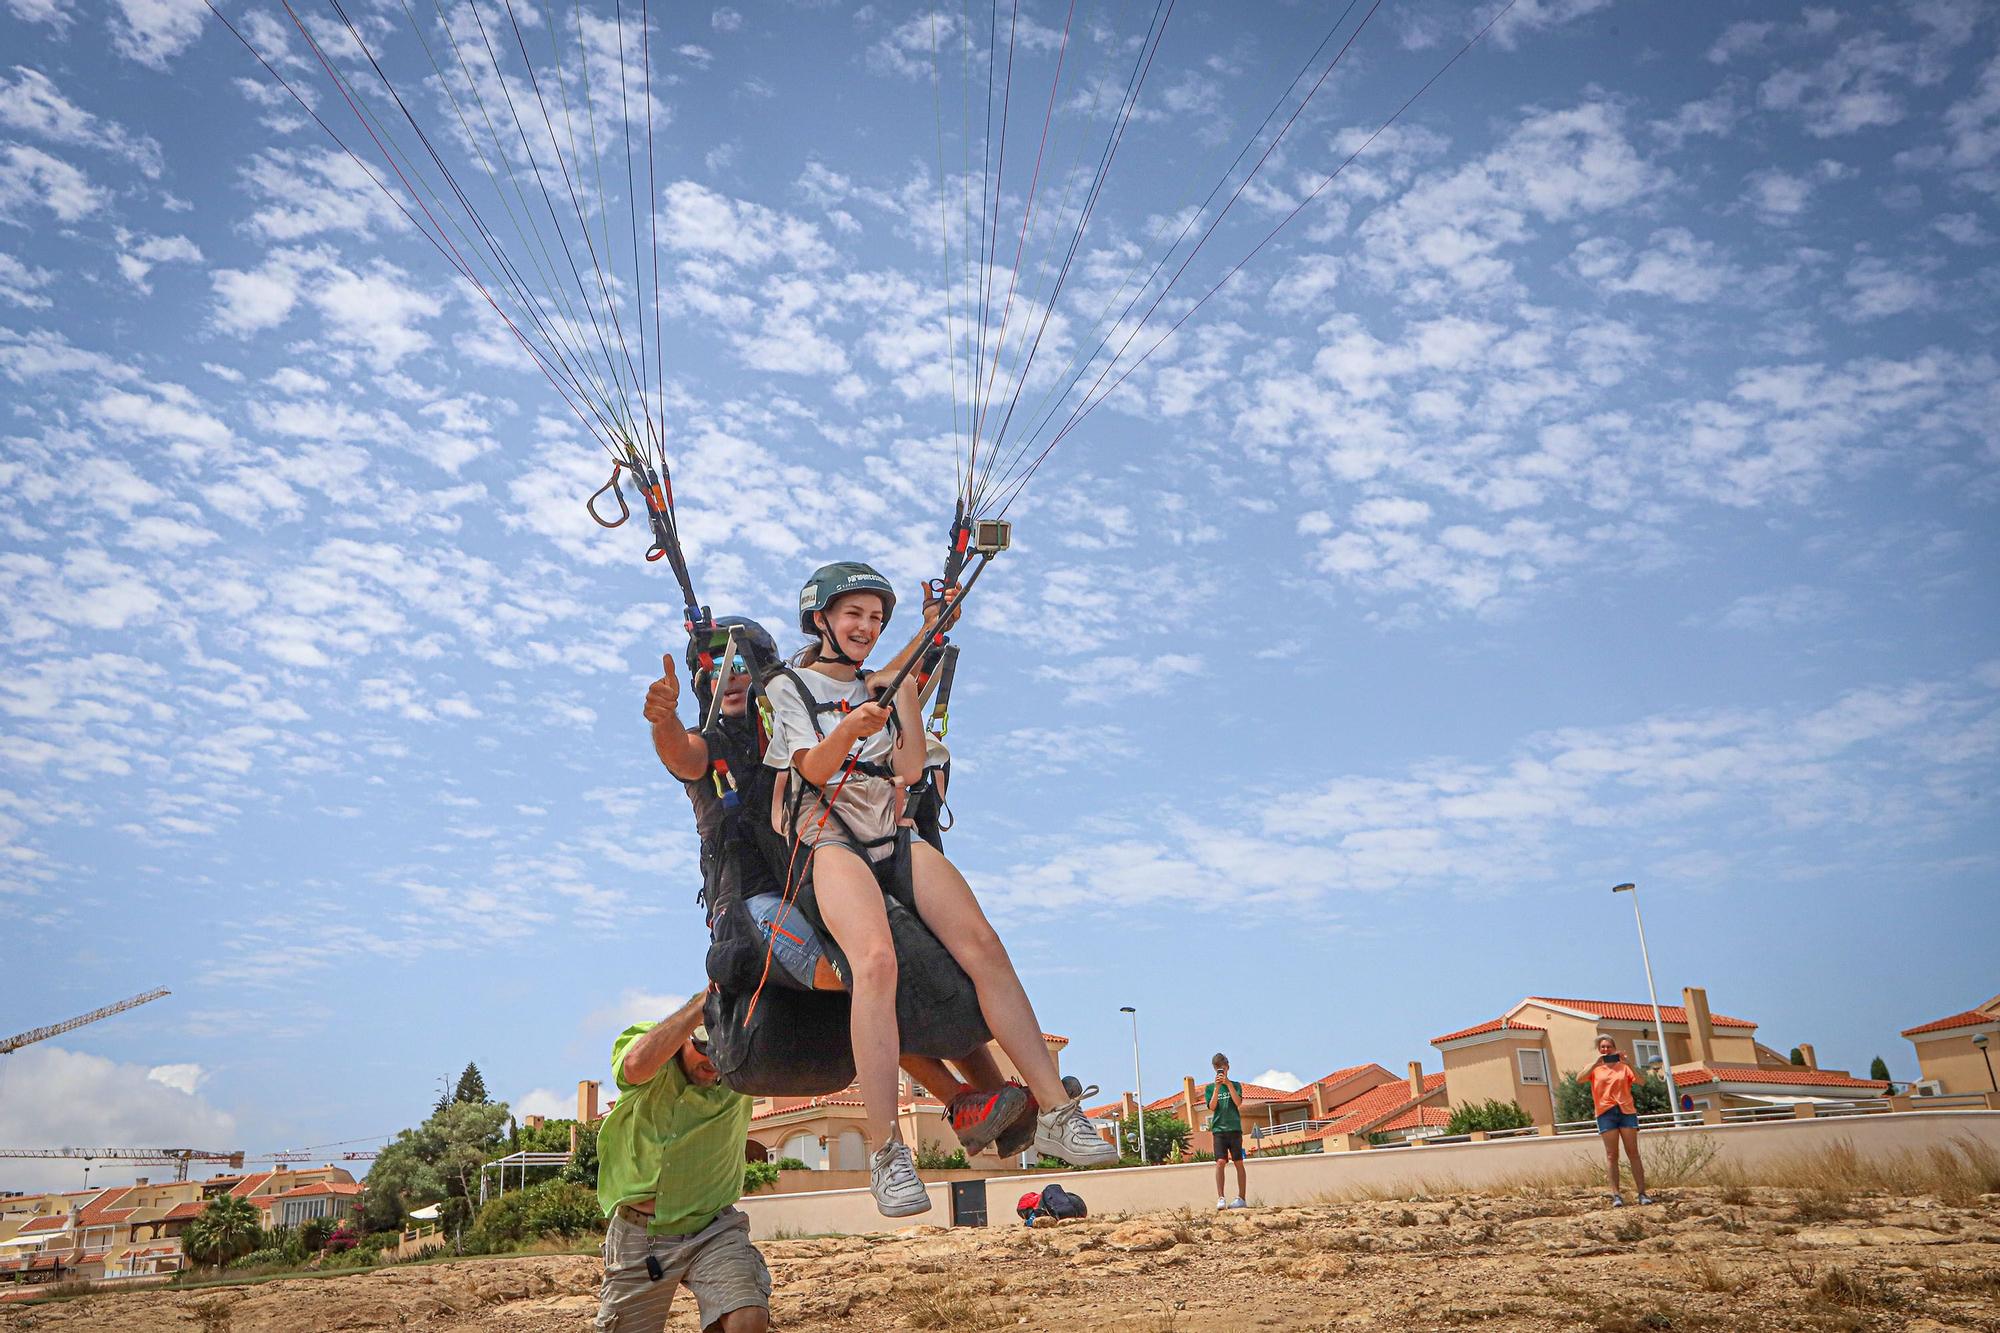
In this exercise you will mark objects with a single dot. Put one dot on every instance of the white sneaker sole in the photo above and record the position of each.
(903, 1209)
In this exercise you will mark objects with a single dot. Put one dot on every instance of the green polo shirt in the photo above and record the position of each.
(667, 1140)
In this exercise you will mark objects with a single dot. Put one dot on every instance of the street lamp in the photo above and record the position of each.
(1138, 1088)
(1659, 1023)
(1979, 1040)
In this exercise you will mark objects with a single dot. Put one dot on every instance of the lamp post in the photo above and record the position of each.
(1979, 1040)
(1138, 1087)
(1659, 1023)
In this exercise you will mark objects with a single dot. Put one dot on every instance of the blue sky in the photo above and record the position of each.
(1596, 482)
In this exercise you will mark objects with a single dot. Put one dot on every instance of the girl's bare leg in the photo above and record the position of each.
(1631, 1138)
(851, 905)
(1611, 1157)
(946, 904)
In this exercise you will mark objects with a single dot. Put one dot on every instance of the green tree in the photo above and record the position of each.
(227, 1228)
(437, 1162)
(1649, 1095)
(1878, 1068)
(756, 1175)
(1798, 1057)
(471, 1086)
(1489, 1116)
(582, 1168)
(1165, 1132)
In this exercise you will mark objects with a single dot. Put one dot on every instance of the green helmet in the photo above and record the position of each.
(831, 581)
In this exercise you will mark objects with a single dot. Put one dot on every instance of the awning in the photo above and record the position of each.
(1789, 1099)
(427, 1213)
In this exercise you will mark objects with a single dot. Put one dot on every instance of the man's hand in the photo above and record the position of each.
(663, 696)
(934, 600)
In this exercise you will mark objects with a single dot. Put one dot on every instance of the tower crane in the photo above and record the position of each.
(14, 1043)
(178, 1158)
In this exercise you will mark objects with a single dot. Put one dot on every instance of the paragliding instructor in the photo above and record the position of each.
(669, 1173)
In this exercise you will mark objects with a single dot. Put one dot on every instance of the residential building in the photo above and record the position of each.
(1717, 1060)
(1949, 1056)
(825, 1132)
(1340, 1110)
(135, 1230)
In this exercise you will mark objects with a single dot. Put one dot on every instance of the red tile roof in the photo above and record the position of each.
(56, 1223)
(1338, 1076)
(1490, 1025)
(321, 1187)
(1252, 1092)
(95, 1210)
(1970, 1018)
(181, 1211)
(1427, 1116)
(1376, 1103)
(1694, 1075)
(1639, 1013)
(250, 1184)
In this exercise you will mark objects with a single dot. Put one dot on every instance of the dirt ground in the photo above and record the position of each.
(1704, 1259)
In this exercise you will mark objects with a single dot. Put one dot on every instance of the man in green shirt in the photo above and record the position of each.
(669, 1173)
(1224, 1100)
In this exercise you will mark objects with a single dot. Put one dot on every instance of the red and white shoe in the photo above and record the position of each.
(978, 1118)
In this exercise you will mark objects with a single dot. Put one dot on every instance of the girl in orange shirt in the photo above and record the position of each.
(1610, 1081)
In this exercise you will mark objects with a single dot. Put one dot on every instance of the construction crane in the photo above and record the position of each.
(8, 1044)
(178, 1158)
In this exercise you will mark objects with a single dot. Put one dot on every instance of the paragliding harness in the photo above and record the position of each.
(771, 1034)
(1051, 1200)
(892, 871)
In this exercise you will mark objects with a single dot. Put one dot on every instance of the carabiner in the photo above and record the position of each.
(618, 492)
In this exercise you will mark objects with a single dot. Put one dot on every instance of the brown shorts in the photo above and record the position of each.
(718, 1264)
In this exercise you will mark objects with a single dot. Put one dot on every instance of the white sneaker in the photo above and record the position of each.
(1067, 1133)
(1238, 1203)
(1221, 1204)
(892, 1179)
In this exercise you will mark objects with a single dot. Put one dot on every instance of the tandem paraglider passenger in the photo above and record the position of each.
(845, 759)
(669, 1173)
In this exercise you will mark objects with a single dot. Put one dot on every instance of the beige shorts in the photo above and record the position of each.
(718, 1264)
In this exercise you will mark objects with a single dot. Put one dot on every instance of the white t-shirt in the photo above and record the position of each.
(870, 805)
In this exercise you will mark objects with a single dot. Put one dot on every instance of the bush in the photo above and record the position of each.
(1488, 1115)
(1879, 1068)
(562, 1208)
(756, 1175)
(930, 1159)
(267, 1258)
(550, 1208)
(792, 1164)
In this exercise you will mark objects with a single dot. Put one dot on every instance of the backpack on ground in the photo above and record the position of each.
(1050, 1201)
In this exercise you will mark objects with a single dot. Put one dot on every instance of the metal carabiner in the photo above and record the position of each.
(618, 492)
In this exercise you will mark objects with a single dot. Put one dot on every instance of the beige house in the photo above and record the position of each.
(135, 1230)
(1341, 1110)
(1716, 1058)
(825, 1132)
(1950, 1054)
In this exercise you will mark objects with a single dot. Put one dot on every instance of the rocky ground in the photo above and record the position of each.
(1736, 1259)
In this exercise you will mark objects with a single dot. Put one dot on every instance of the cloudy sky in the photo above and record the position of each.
(1595, 481)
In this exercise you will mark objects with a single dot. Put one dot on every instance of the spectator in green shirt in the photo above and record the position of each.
(669, 1173)
(1224, 1100)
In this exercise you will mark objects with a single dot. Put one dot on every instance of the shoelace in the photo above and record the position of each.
(902, 1168)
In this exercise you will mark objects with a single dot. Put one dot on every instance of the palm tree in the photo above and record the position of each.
(228, 1228)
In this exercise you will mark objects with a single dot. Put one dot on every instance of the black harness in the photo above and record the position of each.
(795, 795)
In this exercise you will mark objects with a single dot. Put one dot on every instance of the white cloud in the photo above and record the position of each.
(155, 31)
(141, 254)
(22, 284)
(31, 176)
(32, 104)
(1282, 1079)
(52, 12)
(51, 1095)
(544, 1102)
(185, 1078)
(1877, 288)
(725, 20)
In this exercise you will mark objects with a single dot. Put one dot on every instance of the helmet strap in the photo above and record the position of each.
(827, 647)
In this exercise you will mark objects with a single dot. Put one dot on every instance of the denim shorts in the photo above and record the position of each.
(796, 946)
(1616, 1119)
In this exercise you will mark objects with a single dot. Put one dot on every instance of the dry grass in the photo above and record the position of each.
(949, 1308)
(1957, 1173)
(1842, 1288)
(1704, 1274)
